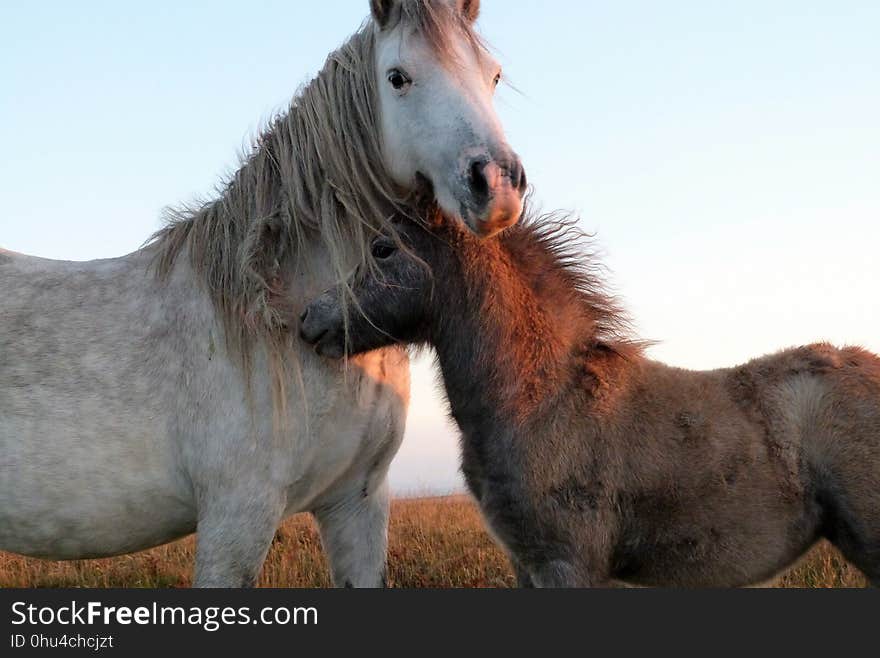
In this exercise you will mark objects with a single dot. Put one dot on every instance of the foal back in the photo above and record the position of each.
(726, 477)
(802, 431)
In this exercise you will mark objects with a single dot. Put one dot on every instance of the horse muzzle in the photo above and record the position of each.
(498, 191)
(321, 326)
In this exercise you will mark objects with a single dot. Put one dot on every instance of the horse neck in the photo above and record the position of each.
(274, 210)
(509, 347)
(256, 190)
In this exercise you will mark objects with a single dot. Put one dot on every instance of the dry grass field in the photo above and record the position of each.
(434, 542)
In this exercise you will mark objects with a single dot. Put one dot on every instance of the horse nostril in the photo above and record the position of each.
(304, 315)
(523, 182)
(477, 177)
(518, 176)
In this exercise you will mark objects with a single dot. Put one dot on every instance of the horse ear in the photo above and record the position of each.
(381, 11)
(263, 252)
(470, 9)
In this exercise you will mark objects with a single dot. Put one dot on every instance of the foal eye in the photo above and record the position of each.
(382, 250)
(398, 79)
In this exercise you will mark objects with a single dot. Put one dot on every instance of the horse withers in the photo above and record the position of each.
(593, 464)
(149, 396)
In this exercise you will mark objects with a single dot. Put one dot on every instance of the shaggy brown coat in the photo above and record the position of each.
(593, 463)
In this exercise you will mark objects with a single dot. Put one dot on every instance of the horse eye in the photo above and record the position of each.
(497, 79)
(382, 250)
(397, 79)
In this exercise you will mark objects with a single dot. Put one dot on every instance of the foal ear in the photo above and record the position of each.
(470, 9)
(381, 11)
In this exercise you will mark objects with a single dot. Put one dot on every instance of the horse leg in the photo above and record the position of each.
(561, 573)
(865, 555)
(235, 531)
(554, 574)
(354, 532)
(523, 575)
(852, 524)
(863, 552)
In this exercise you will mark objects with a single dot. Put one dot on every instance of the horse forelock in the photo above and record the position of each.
(441, 24)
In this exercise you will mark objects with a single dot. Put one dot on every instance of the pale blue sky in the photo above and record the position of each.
(727, 154)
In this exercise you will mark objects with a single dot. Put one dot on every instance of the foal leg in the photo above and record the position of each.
(864, 554)
(861, 550)
(235, 531)
(523, 576)
(851, 506)
(872, 572)
(354, 531)
(856, 532)
(555, 574)
(562, 573)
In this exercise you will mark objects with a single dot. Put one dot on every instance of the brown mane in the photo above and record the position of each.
(539, 290)
(553, 246)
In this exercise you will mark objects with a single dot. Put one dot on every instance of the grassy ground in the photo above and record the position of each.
(434, 542)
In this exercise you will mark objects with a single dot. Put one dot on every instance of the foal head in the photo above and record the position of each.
(394, 299)
(439, 129)
(533, 293)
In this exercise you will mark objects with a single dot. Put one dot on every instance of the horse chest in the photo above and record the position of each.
(354, 432)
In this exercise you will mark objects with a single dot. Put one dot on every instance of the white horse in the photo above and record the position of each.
(146, 397)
